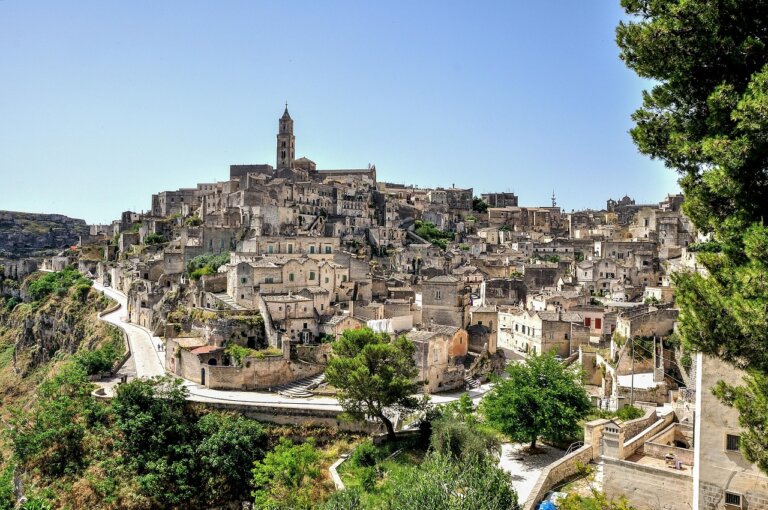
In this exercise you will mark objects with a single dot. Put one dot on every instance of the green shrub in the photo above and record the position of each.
(154, 238)
(365, 455)
(58, 283)
(368, 479)
(629, 413)
(206, 264)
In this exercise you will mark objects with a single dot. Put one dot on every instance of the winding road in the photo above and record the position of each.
(149, 362)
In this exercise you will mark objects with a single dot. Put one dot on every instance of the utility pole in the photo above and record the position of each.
(632, 379)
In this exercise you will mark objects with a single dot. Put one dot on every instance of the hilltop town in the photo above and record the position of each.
(243, 285)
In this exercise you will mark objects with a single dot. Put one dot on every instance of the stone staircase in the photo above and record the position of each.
(227, 300)
(471, 383)
(300, 388)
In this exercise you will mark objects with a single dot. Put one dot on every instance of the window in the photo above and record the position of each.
(733, 499)
(479, 323)
(312, 249)
(290, 248)
(305, 324)
(587, 322)
(243, 280)
(268, 279)
(312, 275)
(326, 279)
(732, 442)
(327, 249)
(438, 295)
(270, 249)
(343, 278)
(598, 323)
(290, 277)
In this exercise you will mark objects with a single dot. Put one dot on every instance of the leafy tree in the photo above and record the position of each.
(541, 398)
(206, 264)
(751, 400)
(58, 283)
(373, 373)
(283, 479)
(52, 436)
(458, 434)
(229, 442)
(156, 437)
(155, 238)
(705, 117)
(104, 358)
(440, 482)
(479, 205)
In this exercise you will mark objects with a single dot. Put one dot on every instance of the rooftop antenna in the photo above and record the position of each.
(554, 202)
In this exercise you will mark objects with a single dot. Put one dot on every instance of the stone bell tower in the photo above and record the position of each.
(286, 142)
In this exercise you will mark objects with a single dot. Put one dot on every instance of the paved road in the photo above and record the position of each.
(147, 359)
(149, 362)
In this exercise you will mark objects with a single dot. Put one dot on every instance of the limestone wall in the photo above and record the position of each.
(285, 415)
(557, 472)
(660, 450)
(647, 487)
(630, 447)
(259, 374)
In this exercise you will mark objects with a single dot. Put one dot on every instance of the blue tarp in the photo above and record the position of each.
(547, 505)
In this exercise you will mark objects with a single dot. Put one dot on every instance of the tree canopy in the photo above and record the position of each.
(282, 480)
(541, 398)
(441, 482)
(373, 373)
(705, 118)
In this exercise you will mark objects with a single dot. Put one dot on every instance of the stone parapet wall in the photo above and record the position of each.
(284, 415)
(647, 487)
(659, 451)
(557, 472)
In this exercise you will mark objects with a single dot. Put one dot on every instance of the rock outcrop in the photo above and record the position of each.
(29, 234)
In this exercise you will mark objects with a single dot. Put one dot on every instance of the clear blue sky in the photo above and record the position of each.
(104, 103)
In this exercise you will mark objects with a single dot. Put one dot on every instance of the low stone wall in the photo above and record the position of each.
(630, 447)
(282, 415)
(558, 472)
(634, 427)
(259, 374)
(659, 451)
(658, 394)
(647, 487)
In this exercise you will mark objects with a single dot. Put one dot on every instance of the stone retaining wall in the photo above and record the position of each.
(647, 487)
(558, 472)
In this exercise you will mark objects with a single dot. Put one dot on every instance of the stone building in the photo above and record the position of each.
(722, 477)
(500, 199)
(445, 301)
(439, 357)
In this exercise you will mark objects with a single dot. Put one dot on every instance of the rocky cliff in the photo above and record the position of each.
(29, 234)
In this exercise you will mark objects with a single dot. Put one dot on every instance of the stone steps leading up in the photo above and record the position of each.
(227, 300)
(299, 388)
(471, 382)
